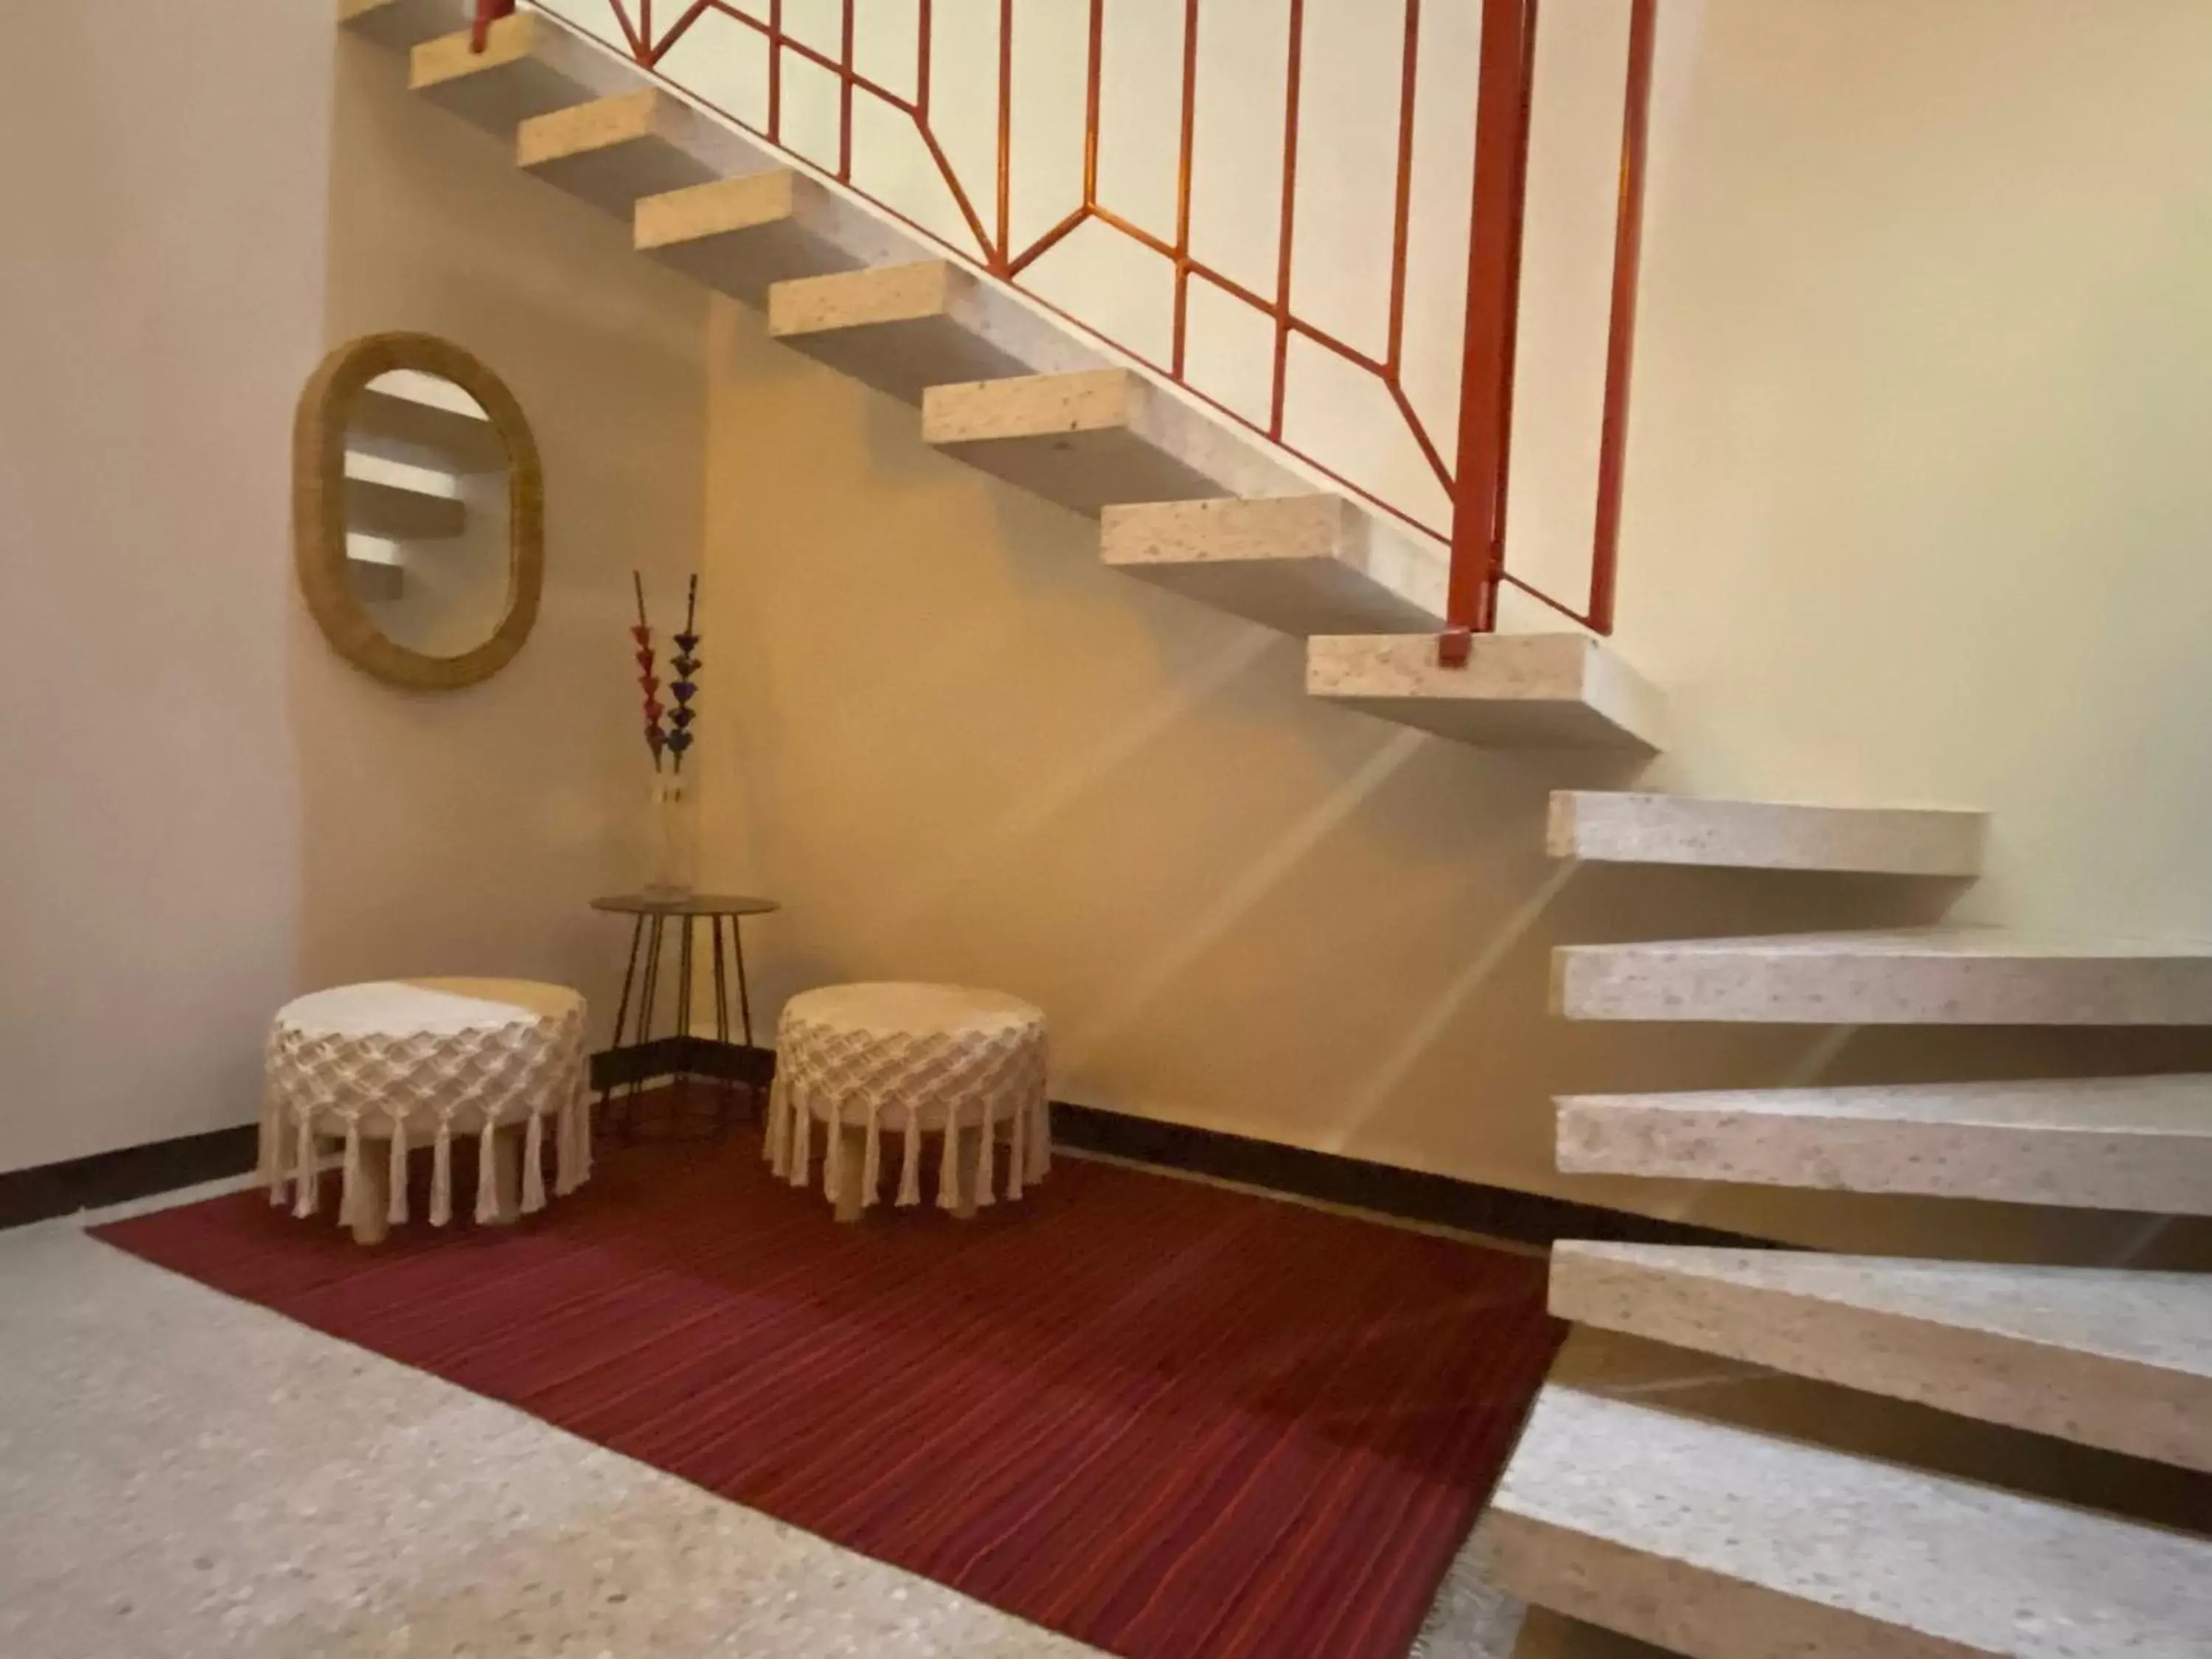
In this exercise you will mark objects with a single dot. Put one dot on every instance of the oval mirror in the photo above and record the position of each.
(417, 510)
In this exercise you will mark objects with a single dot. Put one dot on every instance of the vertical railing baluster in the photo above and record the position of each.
(1620, 336)
(1494, 297)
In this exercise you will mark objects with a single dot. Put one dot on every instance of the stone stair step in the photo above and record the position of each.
(1905, 977)
(402, 25)
(742, 236)
(2105, 1356)
(2100, 1143)
(905, 328)
(1625, 828)
(613, 150)
(1094, 440)
(374, 579)
(373, 507)
(1305, 564)
(399, 429)
(1538, 690)
(1723, 1542)
(529, 66)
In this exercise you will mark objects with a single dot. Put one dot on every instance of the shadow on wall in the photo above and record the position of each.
(465, 832)
(967, 752)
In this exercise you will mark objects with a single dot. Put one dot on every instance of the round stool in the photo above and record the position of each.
(399, 1061)
(914, 1059)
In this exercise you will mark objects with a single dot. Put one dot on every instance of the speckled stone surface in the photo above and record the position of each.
(1626, 828)
(398, 25)
(2110, 1357)
(530, 65)
(613, 150)
(1721, 1542)
(1303, 564)
(1084, 441)
(2105, 1142)
(741, 236)
(1906, 977)
(1537, 690)
(905, 328)
(184, 1476)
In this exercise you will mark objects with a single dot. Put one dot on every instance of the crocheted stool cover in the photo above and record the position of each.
(910, 1059)
(407, 1062)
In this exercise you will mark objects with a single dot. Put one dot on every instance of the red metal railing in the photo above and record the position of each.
(1475, 483)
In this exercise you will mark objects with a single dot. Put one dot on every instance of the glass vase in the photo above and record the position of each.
(673, 849)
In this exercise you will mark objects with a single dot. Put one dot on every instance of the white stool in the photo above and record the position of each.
(914, 1059)
(399, 1060)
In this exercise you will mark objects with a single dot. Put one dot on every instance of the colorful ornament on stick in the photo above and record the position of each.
(668, 726)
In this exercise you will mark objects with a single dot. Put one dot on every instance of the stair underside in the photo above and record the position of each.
(397, 429)
(1563, 690)
(1721, 1542)
(2107, 1357)
(372, 579)
(1647, 828)
(401, 25)
(905, 328)
(1914, 976)
(529, 66)
(1089, 440)
(2100, 1143)
(375, 508)
(1303, 564)
(615, 150)
(741, 236)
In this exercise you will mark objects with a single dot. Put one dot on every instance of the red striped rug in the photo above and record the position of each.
(1166, 1420)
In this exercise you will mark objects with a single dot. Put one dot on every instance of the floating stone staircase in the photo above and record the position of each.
(1012, 389)
(1654, 1510)
(1719, 1538)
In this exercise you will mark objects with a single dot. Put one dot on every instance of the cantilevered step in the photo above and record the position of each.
(529, 66)
(1089, 440)
(613, 150)
(374, 579)
(373, 507)
(1305, 564)
(1615, 828)
(1721, 1542)
(393, 428)
(2101, 1143)
(1548, 691)
(905, 328)
(2111, 1358)
(399, 25)
(1911, 976)
(743, 235)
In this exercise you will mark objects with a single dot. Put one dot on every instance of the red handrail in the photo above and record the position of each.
(490, 12)
(1475, 481)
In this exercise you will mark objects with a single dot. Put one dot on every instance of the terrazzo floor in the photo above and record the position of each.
(182, 1474)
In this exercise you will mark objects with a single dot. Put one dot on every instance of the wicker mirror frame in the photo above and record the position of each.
(318, 511)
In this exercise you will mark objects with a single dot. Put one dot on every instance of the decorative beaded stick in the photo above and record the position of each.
(655, 738)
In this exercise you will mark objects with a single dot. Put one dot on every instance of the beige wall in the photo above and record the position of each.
(204, 809)
(1913, 500)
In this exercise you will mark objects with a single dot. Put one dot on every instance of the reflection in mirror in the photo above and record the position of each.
(426, 513)
(419, 512)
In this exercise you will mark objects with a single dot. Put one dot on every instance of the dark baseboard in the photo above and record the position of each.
(89, 1183)
(1407, 1194)
(55, 1189)
(639, 1063)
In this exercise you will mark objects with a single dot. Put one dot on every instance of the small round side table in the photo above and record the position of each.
(653, 913)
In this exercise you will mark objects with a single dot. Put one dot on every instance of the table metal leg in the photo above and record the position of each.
(648, 994)
(729, 1085)
(622, 1007)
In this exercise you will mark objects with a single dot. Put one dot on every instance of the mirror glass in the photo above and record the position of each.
(426, 497)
